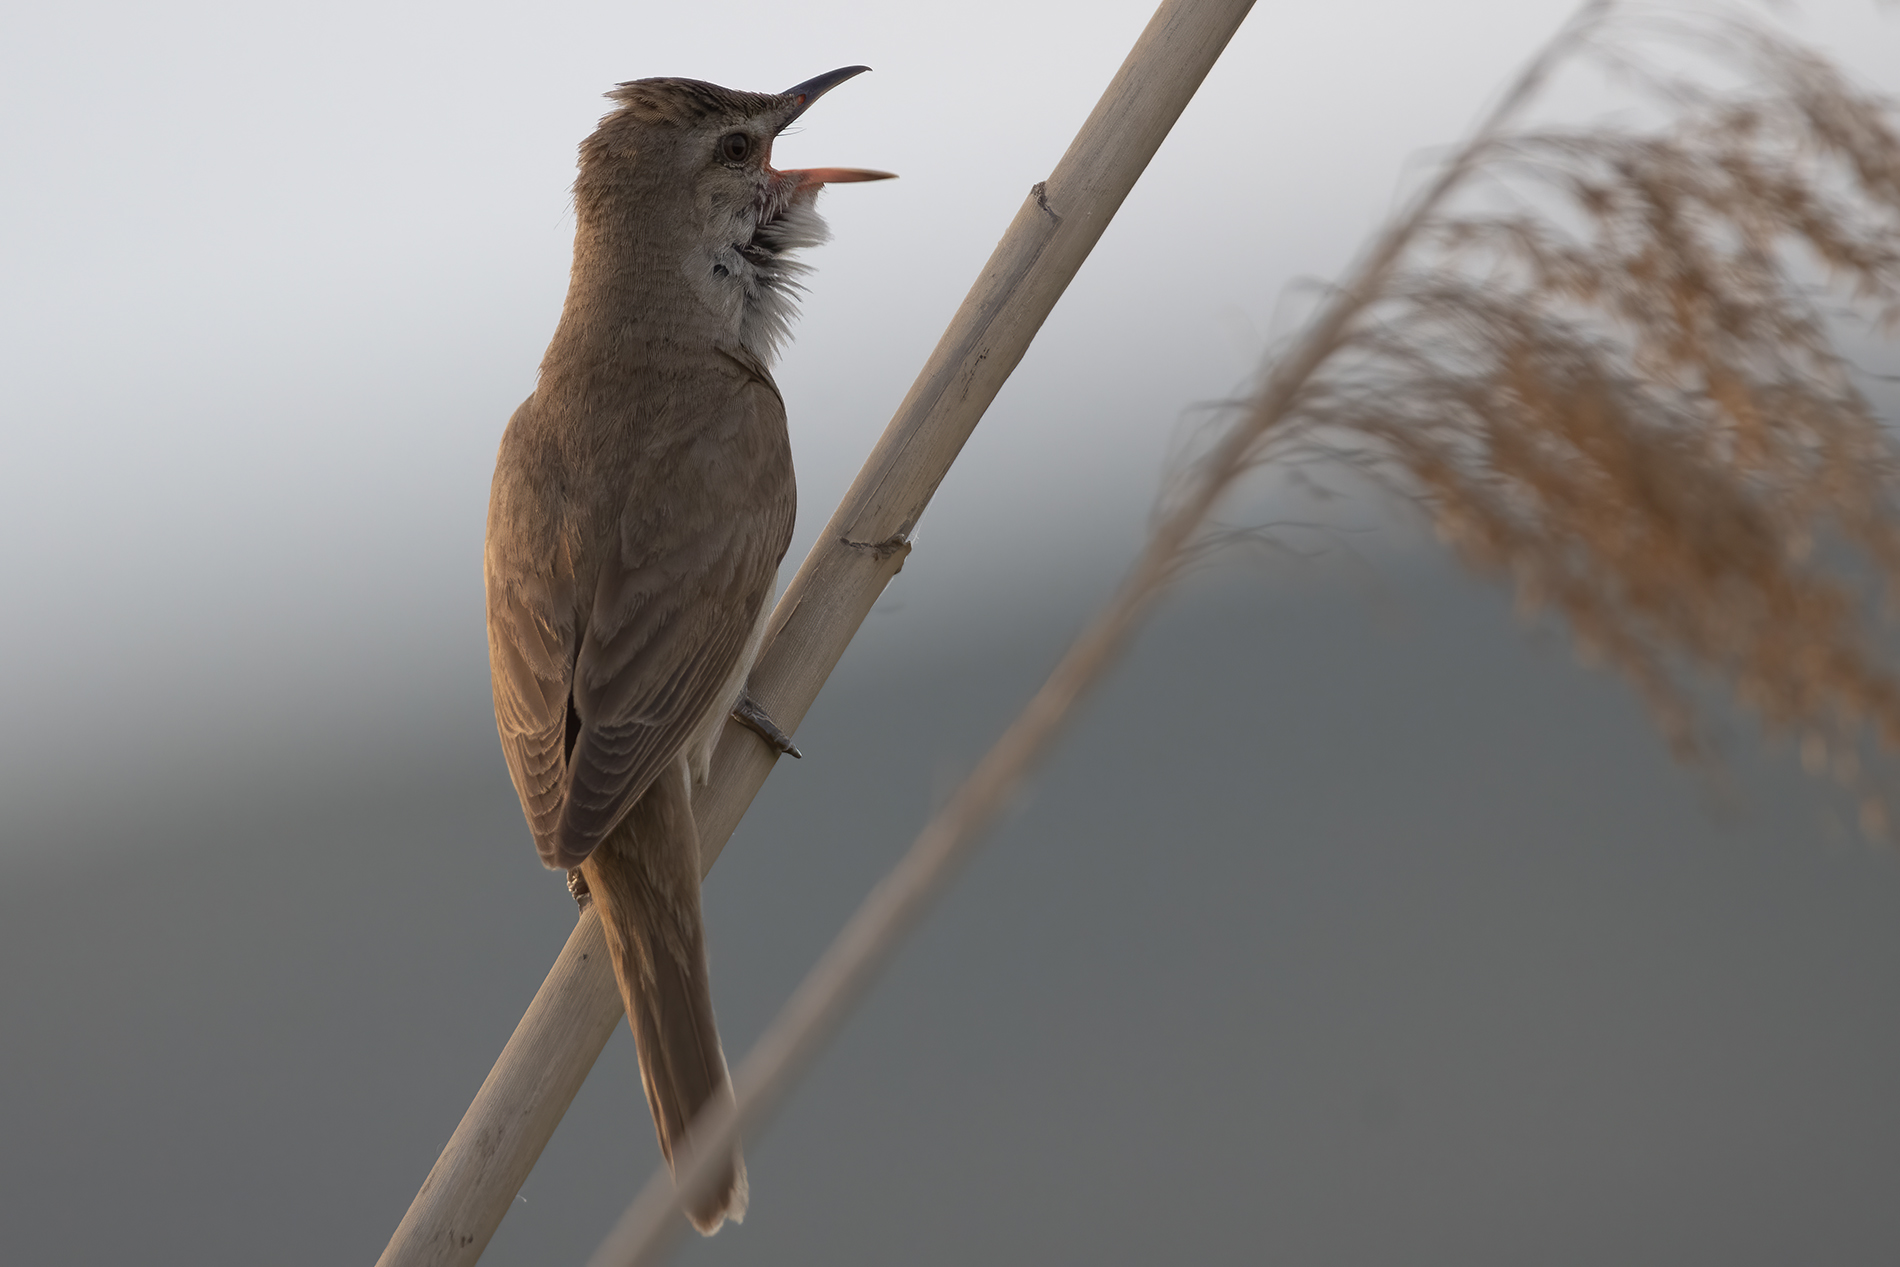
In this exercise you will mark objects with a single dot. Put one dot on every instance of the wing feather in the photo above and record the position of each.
(530, 655)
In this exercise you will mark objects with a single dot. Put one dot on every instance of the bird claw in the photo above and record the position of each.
(748, 713)
(578, 890)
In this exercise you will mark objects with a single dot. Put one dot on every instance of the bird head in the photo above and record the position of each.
(683, 171)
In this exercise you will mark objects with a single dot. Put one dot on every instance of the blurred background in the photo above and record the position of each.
(1354, 924)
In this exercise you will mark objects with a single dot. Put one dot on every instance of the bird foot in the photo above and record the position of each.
(749, 714)
(578, 890)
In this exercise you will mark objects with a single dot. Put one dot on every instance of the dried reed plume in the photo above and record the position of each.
(1623, 395)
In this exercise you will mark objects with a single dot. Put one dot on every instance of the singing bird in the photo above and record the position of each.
(643, 498)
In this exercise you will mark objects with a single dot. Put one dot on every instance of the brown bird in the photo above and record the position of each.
(643, 498)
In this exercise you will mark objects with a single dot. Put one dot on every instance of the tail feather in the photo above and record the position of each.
(645, 880)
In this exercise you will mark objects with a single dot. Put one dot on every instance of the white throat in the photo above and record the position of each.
(750, 276)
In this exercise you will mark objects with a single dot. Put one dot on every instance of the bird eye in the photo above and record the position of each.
(734, 146)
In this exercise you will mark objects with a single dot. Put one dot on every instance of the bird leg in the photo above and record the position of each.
(578, 890)
(748, 713)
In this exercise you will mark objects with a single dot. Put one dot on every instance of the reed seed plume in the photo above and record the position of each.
(1616, 387)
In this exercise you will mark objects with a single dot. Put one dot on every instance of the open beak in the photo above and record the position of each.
(811, 179)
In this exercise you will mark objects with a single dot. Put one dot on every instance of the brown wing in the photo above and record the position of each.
(587, 727)
(531, 641)
(532, 634)
(642, 690)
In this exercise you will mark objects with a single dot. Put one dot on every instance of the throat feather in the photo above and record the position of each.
(766, 275)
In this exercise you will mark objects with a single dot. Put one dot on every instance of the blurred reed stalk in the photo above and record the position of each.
(514, 1114)
(1619, 396)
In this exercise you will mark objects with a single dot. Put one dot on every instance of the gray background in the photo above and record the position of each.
(1352, 925)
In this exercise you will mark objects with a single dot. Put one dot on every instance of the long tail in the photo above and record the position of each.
(645, 880)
